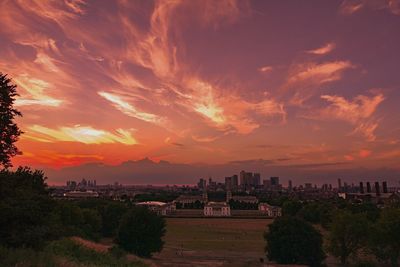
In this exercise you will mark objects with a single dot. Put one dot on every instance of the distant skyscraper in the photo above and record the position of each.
(228, 183)
(235, 182)
(202, 183)
(384, 187)
(267, 184)
(242, 177)
(274, 181)
(368, 187)
(290, 186)
(308, 186)
(339, 184)
(257, 179)
(377, 189)
(361, 188)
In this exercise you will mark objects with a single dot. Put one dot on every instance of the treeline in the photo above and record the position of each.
(30, 218)
(358, 234)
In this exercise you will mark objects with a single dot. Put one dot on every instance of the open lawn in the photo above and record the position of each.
(213, 242)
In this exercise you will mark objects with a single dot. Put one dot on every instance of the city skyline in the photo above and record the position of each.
(205, 88)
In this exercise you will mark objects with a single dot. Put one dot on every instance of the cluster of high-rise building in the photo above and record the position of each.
(364, 188)
(243, 182)
(83, 184)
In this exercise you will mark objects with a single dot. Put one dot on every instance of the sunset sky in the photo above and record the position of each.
(288, 83)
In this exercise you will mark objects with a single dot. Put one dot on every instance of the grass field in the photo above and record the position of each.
(213, 242)
(64, 253)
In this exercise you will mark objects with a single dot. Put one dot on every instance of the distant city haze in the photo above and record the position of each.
(303, 91)
(147, 172)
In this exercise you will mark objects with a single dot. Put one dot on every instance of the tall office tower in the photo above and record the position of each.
(361, 188)
(339, 184)
(290, 186)
(228, 183)
(377, 189)
(242, 177)
(274, 181)
(384, 187)
(267, 184)
(202, 183)
(235, 182)
(369, 187)
(249, 179)
(256, 179)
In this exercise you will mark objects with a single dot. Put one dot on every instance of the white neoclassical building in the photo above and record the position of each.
(217, 209)
(270, 211)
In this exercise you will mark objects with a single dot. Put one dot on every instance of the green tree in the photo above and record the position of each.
(385, 237)
(111, 215)
(27, 216)
(91, 224)
(70, 217)
(291, 240)
(348, 234)
(141, 232)
(291, 207)
(371, 210)
(9, 131)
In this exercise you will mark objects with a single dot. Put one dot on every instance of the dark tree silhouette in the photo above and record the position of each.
(385, 237)
(26, 209)
(9, 131)
(141, 232)
(291, 240)
(348, 234)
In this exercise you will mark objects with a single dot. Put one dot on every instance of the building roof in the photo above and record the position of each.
(151, 203)
(217, 204)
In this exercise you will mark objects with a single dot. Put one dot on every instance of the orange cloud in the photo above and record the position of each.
(361, 107)
(364, 153)
(305, 79)
(265, 69)
(82, 134)
(320, 73)
(367, 129)
(228, 112)
(323, 50)
(356, 112)
(348, 7)
(36, 92)
(128, 109)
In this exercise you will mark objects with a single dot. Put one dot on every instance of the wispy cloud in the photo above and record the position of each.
(265, 69)
(36, 90)
(327, 48)
(357, 111)
(81, 134)
(128, 109)
(361, 107)
(306, 78)
(349, 7)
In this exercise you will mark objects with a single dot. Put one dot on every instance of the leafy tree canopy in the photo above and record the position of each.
(9, 131)
(291, 240)
(141, 232)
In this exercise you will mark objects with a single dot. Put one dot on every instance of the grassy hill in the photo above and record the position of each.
(66, 253)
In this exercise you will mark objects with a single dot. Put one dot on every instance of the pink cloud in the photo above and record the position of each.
(326, 49)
